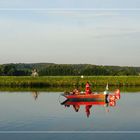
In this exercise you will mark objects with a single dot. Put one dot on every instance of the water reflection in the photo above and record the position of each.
(62, 89)
(110, 101)
(35, 94)
(87, 109)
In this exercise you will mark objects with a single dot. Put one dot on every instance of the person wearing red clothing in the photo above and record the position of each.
(88, 88)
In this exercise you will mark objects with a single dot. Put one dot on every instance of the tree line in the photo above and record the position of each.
(51, 69)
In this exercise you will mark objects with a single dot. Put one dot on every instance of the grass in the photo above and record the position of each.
(67, 81)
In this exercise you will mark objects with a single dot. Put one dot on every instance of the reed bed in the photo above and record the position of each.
(63, 81)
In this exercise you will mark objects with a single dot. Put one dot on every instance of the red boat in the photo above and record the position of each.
(85, 98)
(68, 102)
(89, 100)
(81, 97)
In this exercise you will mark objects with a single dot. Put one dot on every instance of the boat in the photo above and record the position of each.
(90, 102)
(82, 97)
(86, 97)
(77, 99)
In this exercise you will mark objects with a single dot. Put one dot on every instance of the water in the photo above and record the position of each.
(42, 112)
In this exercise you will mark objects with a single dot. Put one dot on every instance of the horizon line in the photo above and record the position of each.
(67, 64)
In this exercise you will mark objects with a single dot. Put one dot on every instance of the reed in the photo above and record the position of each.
(63, 81)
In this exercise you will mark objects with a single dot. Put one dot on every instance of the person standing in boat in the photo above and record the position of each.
(88, 88)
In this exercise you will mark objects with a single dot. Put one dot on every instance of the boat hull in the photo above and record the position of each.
(86, 98)
(68, 102)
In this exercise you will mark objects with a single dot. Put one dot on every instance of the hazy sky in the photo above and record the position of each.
(102, 32)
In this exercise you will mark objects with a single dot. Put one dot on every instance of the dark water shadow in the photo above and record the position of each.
(68, 89)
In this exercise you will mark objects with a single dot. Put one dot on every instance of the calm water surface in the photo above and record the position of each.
(42, 111)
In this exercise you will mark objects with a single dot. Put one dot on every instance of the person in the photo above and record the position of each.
(75, 91)
(88, 88)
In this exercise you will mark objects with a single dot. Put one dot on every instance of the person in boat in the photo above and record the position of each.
(88, 88)
(76, 92)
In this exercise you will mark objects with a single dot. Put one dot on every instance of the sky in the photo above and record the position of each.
(100, 32)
